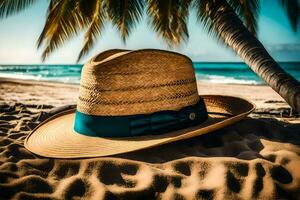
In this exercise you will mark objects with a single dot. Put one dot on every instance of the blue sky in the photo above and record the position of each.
(19, 33)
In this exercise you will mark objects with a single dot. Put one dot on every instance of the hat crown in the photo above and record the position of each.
(120, 82)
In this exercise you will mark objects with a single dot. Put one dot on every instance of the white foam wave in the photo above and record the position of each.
(41, 78)
(225, 79)
(200, 77)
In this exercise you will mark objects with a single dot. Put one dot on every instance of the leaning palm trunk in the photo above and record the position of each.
(231, 29)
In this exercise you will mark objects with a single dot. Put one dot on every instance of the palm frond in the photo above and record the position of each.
(10, 7)
(64, 20)
(52, 11)
(203, 9)
(247, 10)
(169, 19)
(94, 29)
(292, 8)
(124, 14)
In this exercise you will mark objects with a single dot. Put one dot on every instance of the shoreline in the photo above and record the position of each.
(241, 90)
(24, 80)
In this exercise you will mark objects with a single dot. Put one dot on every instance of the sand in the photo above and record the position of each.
(257, 158)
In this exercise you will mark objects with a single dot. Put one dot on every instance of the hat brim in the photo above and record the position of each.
(56, 138)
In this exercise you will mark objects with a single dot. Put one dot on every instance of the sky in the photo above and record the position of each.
(19, 34)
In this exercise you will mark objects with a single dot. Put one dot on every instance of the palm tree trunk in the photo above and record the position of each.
(232, 30)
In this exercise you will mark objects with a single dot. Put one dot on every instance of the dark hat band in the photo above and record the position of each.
(143, 124)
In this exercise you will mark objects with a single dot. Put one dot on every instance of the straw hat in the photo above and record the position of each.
(132, 100)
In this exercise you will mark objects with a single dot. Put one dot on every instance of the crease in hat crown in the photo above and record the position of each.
(120, 82)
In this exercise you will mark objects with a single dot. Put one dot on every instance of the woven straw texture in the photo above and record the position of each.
(120, 82)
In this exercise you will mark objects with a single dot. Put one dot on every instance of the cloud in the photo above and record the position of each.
(287, 47)
(285, 52)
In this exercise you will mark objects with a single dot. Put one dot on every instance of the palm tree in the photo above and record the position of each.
(232, 21)
(231, 29)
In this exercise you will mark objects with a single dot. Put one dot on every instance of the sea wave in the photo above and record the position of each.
(231, 73)
(41, 78)
(225, 79)
(200, 77)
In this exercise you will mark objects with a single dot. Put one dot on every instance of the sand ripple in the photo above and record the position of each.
(254, 159)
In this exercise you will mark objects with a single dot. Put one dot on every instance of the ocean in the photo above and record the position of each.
(238, 73)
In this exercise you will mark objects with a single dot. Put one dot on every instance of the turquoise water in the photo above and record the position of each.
(210, 72)
(237, 72)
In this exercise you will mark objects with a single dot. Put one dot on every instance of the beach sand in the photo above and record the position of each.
(257, 158)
